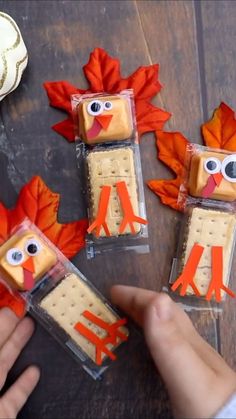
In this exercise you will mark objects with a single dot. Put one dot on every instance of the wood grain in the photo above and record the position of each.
(60, 36)
(220, 83)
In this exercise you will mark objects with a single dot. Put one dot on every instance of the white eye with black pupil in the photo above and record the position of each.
(108, 106)
(212, 165)
(15, 256)
(95, 107)
(32, 247)
(229, 168)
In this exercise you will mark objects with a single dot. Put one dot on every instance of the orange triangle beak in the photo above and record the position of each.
(28, 265)
(104, 120)
(218, 178)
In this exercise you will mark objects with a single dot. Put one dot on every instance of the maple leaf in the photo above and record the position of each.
(103, 75)
(37, 202)
(220, 131)
(172, 148)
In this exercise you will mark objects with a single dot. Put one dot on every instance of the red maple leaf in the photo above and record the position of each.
(103, 75)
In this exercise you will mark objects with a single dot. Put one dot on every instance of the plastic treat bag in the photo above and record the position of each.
(58, 295)
(108, 154)
(200, 273)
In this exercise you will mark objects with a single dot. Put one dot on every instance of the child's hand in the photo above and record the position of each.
(14, 335)
(197, 378)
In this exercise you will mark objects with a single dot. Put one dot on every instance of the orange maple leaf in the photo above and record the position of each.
(37, 202)
(103, 75)
(12, 300)
(172, 148)
(220, 131)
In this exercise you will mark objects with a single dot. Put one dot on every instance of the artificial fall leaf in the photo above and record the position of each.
(40, 205)
(220, 131)
(12, 300)
(172, 148)
(103, 75)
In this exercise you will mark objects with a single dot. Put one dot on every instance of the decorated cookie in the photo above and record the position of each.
(104, 119)
(13, 55)
(24, 259)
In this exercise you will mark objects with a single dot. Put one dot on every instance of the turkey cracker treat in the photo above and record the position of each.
(108, 141)
(58, 295)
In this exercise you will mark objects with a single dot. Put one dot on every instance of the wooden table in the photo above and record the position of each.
(194, 42)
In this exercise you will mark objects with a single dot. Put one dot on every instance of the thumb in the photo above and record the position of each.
(180, 366)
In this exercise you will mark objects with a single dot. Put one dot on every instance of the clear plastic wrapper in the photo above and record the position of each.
(200, 275)
(108, 154)
(58, 295)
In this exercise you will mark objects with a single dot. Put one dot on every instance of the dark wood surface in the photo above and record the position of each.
(194, 42)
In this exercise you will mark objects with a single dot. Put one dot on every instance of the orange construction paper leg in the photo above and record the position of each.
(187, 277)
(100, 344)
(112, 329)
(129, 216)
(216, 284)
(102, 212)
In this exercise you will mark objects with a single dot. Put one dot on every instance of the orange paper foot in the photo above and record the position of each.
(216, 284)
(112, 329)
(187, 277)
(129, 216)
(102, 212)
(101, 343)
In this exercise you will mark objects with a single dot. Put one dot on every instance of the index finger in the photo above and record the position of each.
(132, 300)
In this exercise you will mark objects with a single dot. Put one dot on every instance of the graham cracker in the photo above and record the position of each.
(209, 228)
(107, 168)
(66, 303)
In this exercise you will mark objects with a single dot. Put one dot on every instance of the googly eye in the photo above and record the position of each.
(228, 169)
(32, 247)
(15, 256)
(212, 165)
(95, 107)
(107, 106)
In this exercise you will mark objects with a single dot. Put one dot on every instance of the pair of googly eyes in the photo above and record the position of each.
(227, 167)
(96, 107)
(16, 256)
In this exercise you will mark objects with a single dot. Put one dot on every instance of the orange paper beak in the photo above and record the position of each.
(104, 120)
(28, 265)
(218, 178)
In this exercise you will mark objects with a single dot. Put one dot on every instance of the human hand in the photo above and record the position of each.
(14, 335)
(198, 380)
